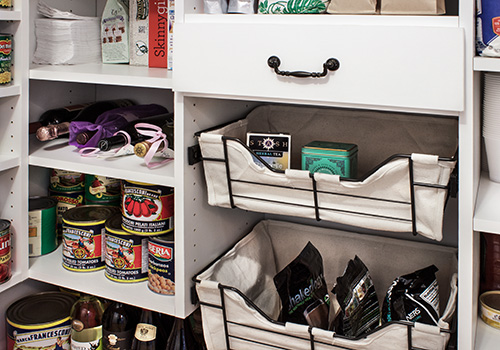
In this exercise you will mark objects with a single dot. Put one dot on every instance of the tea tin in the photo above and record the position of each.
(334, 158)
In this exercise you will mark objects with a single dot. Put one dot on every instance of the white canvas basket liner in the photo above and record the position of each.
(249, 267)
(381, 200)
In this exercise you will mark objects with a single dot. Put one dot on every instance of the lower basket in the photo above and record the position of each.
(239, 302)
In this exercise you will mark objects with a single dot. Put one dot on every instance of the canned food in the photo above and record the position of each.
(147, 209)
(161, 269)
(83, 231)
(126, 255)
(5, 251)
(6, 4)
(40, 321)
(67, 181)
(5, 57)
(66, 200)
(102, 189)
(42, 225)
(490, 308)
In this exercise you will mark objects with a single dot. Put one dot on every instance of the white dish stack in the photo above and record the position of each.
(491, 123)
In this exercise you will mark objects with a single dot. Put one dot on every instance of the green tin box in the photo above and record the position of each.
(335, 158)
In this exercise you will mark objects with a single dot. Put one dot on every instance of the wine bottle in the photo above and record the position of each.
(142, 148)
(120, 139)
(57, 116)
(145, 332)
(181, 337)
(89, 113)
(86, 323)
(118, 326)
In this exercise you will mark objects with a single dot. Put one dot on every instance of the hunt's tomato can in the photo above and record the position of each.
(5, 251)
(161, 269)
(82, 237)
(147, 209)
(126, 255)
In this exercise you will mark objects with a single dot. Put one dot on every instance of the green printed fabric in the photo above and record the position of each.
(292, 6)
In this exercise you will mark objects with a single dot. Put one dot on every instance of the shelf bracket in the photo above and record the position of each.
(194, 154)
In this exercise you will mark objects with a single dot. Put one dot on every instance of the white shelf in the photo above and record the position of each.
(16, 278)
(107, 74)
(487, 64)
(9, 91)
(58, 154)
(48, 268)
(487, 214)
(7, 162)
(7, 15)
(487, 337)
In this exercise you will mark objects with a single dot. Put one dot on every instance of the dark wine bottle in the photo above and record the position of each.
(181, 337)
(142, 148)
(89, 113)
(57, 116)
(118, 326)
(145, 332)
(120, 139)
(86, 323)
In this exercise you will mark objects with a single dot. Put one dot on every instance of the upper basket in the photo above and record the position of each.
(405, 162)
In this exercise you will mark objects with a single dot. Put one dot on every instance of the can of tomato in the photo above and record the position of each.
(5, 58)
(65, 200)
(102, 190)
(66, 181)
(5, 251)
(147, 209)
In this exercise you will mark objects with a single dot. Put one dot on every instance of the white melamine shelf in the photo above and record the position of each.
(58, 154)
(14, 279)
(487, 214)
(106, 74)
(6, 15)
(7, 162)
(9, 91)
(487, 64)
(48, 268)
(487, 337)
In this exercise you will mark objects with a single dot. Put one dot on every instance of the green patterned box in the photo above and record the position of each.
(330, 158)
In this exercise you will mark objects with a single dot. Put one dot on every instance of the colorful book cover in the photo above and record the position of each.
(171, 20)
(158, 33)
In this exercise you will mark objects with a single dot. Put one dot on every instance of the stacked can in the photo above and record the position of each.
(68, 188)
(102, 190)
(42, 225)
(5, 251)
(148, 210)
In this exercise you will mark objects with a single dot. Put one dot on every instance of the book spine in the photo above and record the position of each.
(158, 33)
(139, 32)
(171, 20)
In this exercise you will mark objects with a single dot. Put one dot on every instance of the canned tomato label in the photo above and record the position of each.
(147, 209)
(42, 225)
(40, 321)
(161, 269)
(5, 57)
(83, 232)
(65, 201)
(67, 181)
(126, 255)
(5, 251)
(102, 189)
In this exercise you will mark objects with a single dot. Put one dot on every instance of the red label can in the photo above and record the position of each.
(161, 268)
(5, 251)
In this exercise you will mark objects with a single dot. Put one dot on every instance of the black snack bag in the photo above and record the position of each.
(413, 297)
(302, 289)
(355, 293)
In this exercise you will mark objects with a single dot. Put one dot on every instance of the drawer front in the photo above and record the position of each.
(410, 67)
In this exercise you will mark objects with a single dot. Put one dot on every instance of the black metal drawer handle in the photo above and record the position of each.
(332, 64)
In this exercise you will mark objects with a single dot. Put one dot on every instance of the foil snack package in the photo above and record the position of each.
(488, 28)
(359, 306)
(413, 297)
(302, 289)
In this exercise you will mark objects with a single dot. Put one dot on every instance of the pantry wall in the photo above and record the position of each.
(417, 64)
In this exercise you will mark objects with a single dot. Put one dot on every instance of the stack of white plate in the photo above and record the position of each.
(491, 123)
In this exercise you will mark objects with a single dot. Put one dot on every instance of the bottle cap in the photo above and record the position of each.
(46, 133)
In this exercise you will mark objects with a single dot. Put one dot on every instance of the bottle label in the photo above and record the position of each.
(88, 345)
(87, 339)
(145, 332)
(117, 340)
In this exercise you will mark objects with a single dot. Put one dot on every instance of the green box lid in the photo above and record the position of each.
(330, 148)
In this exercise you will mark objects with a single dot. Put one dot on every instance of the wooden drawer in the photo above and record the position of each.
(401, 66)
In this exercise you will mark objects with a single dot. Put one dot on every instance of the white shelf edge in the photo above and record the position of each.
(487, 213)
(487, 64)
(15, 279)
(8, 162)
(48, 268)
(487, 337)
(58, 154)
(9, 91)
(105, 74)
(367, 20)
(7, 15)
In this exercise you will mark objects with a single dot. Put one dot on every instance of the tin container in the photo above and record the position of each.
(102, 190)
(126, 255)
(66, 200)
(83, 232)
(161, 267)
(67, 181)
(5, 251)
(39, 321)
(5, 57)
(490, 308)
(42, 225)
(147, 209)
(330, 158)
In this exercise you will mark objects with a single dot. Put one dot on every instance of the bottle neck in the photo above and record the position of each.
(84, 137)
(50, 132)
